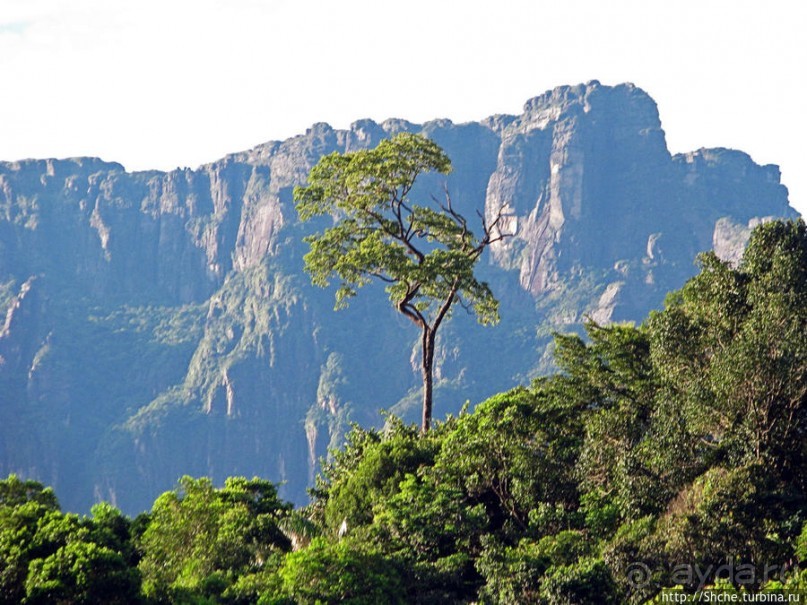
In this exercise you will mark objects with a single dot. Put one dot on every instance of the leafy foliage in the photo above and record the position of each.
(347, 571)
(82, 572)
(201, 539)
(47, 556)
(368, 470)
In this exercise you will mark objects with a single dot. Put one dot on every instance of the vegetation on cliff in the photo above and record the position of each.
(156, 324)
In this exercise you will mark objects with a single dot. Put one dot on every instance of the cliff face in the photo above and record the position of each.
(589, 182)
(158, 324)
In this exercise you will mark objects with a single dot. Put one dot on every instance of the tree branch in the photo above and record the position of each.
(406, 307)
(489, 239)
(443, 311)
(383, 277)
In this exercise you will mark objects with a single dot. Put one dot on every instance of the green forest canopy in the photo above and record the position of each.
(675, 445)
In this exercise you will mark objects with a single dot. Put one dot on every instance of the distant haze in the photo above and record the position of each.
(180, 83)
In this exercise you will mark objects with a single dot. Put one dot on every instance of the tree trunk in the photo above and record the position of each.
(428, 368)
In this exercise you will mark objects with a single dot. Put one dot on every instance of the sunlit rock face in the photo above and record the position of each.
(158, 324)
(588, 184)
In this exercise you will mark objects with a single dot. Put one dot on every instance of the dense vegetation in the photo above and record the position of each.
(678, 444)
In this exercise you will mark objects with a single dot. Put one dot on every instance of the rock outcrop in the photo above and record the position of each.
(157, 324)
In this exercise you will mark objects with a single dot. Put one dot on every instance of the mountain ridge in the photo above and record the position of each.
(166, 327)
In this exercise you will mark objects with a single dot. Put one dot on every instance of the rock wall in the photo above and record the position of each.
(156, 324)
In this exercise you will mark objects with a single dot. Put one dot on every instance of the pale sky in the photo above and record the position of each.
(168, 83)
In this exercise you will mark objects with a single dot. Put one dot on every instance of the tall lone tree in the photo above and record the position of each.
(424, 253)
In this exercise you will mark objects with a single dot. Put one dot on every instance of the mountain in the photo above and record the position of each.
(159, 323)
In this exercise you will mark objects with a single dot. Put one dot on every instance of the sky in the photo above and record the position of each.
(174, 83)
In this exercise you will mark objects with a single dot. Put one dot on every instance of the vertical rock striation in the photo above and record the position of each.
(155, 324)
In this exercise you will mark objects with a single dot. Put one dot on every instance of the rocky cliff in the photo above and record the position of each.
(158, 324)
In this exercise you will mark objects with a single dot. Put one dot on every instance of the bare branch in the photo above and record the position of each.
(465, 305)
(449, 210)
(488, 230)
